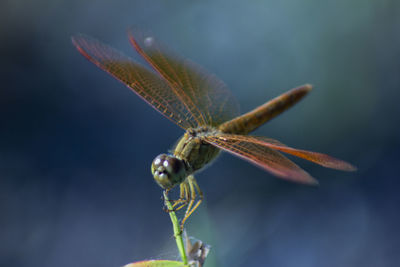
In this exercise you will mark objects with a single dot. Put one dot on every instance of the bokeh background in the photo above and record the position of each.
(76, 145)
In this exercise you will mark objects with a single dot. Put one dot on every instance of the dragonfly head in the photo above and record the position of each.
(168, 170)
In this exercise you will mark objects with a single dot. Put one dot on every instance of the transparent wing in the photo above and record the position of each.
(148, 85)
(250, 149)
(204, 95)
(318, 158)
(253, 147)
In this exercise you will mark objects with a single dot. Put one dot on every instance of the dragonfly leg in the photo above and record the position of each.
(184, 196)
(181, 202)
(191, 199)
(189, 192)
(193, 187)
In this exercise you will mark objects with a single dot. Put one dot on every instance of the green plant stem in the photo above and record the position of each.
(177, 229)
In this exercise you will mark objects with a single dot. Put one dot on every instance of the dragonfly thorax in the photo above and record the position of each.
(168, 170)
(194, 150)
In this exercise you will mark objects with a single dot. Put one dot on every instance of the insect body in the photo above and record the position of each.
(202, 105)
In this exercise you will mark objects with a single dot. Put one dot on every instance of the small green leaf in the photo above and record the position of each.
(156, 263)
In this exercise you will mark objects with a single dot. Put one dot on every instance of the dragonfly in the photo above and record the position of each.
(202, 105)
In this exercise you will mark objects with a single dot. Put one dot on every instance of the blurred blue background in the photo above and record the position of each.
(76, 145)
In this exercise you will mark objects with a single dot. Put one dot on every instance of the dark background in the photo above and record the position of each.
(76, 145)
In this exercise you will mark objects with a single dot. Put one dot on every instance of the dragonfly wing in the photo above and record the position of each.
(206, 97)
(145, 83)
(262, 156)
(318, 158)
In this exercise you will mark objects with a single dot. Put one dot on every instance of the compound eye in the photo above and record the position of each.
(173, 165)
(158, 161)
(168, 171)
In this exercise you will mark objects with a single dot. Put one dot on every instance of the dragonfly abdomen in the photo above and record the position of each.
(250, 121)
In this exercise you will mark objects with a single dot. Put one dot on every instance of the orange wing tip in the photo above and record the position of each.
(333, 163)
(318, 158)
(307, 180)
(313, 182)
(298, 176)
(77, 41)
(344, 166)
(134, 40)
